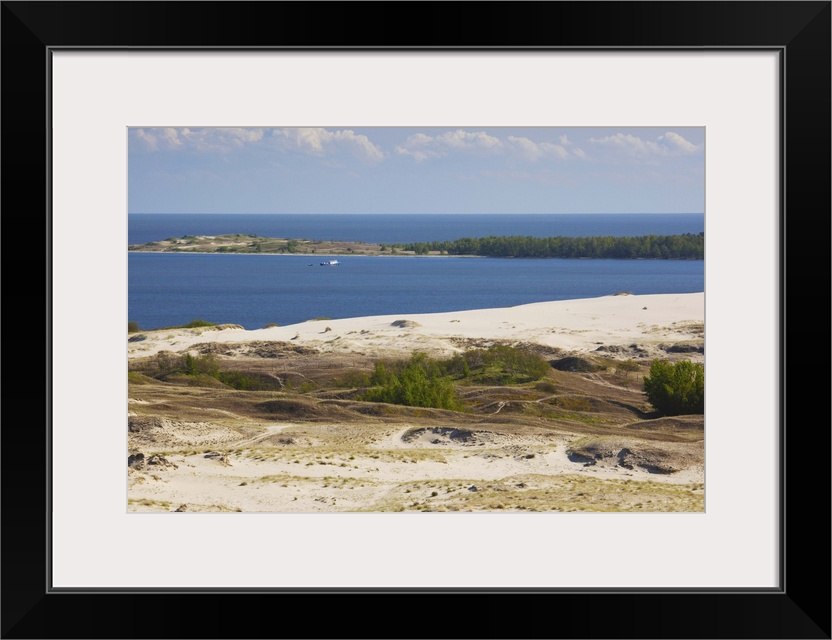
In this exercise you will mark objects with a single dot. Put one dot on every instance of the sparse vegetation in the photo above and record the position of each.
(503, 364)
(426, 382)
(546, 386)
(626, 367)
(353, 380)
(200, 371)
(382, 454)
(195, 324)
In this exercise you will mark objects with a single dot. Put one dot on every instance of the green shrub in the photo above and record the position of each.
(206, 365)
(418, 383)
(502, 364)
(135, 377)
(165, 363)
(195, 324)
(245, 382)
(353, 380)
(625, 367)
(133, 327)
(546, 386)
(676, 389)
(457, 366)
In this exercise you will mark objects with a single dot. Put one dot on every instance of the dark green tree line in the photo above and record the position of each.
(687, 246)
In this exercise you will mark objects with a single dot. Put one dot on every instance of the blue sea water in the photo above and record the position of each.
(255, 290)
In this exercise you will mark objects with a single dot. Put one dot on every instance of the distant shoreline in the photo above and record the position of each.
(651, 247)
(317, 256)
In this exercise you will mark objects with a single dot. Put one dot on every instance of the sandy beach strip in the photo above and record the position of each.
(580, 325)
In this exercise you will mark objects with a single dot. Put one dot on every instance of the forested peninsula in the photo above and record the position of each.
(686, 246)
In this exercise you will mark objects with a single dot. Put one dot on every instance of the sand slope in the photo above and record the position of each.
(572, 325)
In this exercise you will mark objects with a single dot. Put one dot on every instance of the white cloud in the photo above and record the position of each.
(170, 137)
(677, 141)
(314, 141)
(154, 139)
(422, 147)
(217, 140)
(149, 140)
(220, 140)
(669, 144)
(573, 150)
(318, 141)
(464, 140)
(533, 151)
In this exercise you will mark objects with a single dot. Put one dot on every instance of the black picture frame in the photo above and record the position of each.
(799, 608)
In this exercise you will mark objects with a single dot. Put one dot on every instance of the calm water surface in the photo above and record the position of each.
(255, 290)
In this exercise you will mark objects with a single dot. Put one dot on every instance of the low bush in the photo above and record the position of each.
(546, 386)
(353, 380)
(625, 367)
(206, 365)
(135, 377)
(676, 389)
(418, 383)
(195, 324)
(247, 382)
(501, 364)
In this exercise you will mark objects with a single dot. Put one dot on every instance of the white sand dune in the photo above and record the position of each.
(572, 325)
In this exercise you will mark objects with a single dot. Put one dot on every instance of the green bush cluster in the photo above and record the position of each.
(625, 367)
(353, 379)
(498, 364)
(676, 389)
(202, 370)
(195, 324)
(418, 383)
(206, 365)
(241, 381)
(502, 364)
(426, 382)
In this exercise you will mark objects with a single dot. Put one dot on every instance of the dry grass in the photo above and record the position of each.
(323, 450)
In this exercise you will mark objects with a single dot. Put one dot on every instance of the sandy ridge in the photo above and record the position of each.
(572, 325)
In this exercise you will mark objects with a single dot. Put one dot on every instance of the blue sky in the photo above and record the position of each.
(417, 170)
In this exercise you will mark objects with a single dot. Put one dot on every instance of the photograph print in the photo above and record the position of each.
(416, 319)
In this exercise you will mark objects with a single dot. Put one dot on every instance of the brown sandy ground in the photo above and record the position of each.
(581, 439)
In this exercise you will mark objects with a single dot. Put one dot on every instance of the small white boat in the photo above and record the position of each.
(330, 263)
